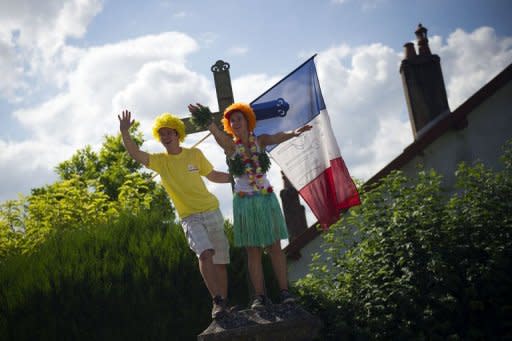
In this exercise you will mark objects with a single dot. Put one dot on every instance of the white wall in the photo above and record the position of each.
(489, 127)
(299, 268)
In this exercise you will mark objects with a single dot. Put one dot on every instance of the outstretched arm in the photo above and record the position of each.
(221, 137)
(267, 140)
(125, 122)
(219, 177)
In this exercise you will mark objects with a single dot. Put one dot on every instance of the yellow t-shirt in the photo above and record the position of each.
(181, 177)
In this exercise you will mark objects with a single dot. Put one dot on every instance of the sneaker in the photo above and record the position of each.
(234, 308)
(286, 298)
(258, 302)
(219, 307)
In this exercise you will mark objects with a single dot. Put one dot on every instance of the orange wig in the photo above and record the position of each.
(246, 110)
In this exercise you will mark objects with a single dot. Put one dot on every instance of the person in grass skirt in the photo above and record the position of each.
(258, 221)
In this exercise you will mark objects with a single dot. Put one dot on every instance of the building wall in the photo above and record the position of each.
(489, 127)
(300, 268)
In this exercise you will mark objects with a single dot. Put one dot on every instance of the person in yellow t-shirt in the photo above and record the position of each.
(181, 171)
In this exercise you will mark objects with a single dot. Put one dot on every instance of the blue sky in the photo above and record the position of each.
(70, 66)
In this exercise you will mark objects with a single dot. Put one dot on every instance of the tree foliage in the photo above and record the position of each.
(121, 280)
(93, 188)
(132, 279)
(415, 262)
(110, 166)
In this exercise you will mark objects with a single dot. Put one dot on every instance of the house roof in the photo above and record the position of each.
(455, 120)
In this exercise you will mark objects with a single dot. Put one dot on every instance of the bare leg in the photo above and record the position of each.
(222, 279)
(208, 271)
(278, 259)
(255, 269)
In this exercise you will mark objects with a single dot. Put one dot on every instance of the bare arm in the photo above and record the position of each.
(222, 139)
(125, 122)
(219, 177)
(267, 140)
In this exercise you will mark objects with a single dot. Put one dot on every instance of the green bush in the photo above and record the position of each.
(134, 279)
(414, 262)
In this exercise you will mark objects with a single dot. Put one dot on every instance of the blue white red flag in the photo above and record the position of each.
(312, 162)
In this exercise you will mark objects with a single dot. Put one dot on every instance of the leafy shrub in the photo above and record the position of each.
(414, 262)
(133, 279)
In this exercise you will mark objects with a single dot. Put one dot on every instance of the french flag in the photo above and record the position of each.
(312, 162)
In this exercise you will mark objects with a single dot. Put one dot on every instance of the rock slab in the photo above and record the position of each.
(279, 322)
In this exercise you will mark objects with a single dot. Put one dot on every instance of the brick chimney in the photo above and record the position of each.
(423, 83)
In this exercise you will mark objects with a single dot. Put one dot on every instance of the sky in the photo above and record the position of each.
(69, 67)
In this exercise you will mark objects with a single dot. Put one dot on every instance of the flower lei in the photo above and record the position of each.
(237, 167)
(254, 164)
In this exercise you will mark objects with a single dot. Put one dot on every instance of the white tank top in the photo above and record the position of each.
(242, 183)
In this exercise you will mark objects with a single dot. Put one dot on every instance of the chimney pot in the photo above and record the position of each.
(421, 37)
(409, 51)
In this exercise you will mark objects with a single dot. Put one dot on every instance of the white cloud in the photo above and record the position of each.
(391, 138)
(238, 51)
(181, 14)
(368, 5)
(11, 71)
(33, 37)
(247, 87)
(27, 165)
(148, 75)
(145, 75)
(362, 90)
(470, 60)
(365, 4)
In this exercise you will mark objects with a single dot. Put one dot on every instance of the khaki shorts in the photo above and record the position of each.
(205, 231)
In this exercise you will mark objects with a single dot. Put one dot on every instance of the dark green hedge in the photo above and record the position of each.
(135, 279)
(414, 262)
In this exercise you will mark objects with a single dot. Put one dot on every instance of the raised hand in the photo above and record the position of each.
(194, 108)
(300, 130)
(125, 121)
(201, 115)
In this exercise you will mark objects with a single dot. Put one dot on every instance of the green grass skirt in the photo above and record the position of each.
(258, 220)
